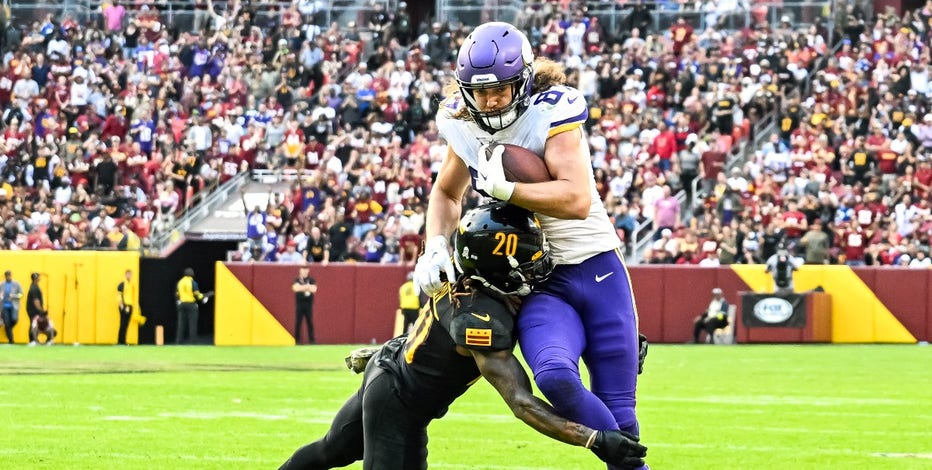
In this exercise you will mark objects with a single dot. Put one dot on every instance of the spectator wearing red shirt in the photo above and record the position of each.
(876, 141)
(364, 210)
(664, 146)
(854, 240)
(712, 162)
(923, 177)
(793, 222)
(871, 211)
(682, 34)
(115, 125)
(594, 38)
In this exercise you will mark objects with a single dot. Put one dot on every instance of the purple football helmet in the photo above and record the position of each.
(494, 55)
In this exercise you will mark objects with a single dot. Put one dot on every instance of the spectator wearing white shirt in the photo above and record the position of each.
(62, 194)
(103, 221)
(40, 216)
(921, 260)
(903, 214)
(78, 88)
(201, 136)
(899, 144)
(58, 46)
(711, 260)
(919, 77)
(736, 181)
(573, 35)
(652, 193)
(25, 90)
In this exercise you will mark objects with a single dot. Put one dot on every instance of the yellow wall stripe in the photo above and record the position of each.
(240, 319)
(79, 288)
(858, 316)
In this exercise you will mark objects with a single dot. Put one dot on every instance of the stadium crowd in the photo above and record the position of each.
(112, 128)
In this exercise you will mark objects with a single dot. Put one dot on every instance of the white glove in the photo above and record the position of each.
(490, 173)
(436, 258)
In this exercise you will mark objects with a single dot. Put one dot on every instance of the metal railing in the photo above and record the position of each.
(266, 176)
(209, 203)
(180, 13)
(618, 18)
(643, 235)
(475, 12)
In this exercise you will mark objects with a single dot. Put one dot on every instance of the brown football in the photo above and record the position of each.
(524, 166)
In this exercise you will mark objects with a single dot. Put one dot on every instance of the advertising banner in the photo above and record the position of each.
(773, 310)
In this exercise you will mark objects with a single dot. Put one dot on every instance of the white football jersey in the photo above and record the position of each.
(551, 112)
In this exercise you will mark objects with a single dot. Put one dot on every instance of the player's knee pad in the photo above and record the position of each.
(626, 419)
(560, 384)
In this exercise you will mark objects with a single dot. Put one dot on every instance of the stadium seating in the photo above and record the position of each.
(346, 108)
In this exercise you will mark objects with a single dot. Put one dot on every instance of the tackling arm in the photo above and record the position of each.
(505, 373)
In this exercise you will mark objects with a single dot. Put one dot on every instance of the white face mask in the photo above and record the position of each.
(502, 120)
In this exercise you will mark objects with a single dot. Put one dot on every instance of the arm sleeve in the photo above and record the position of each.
(196, 290)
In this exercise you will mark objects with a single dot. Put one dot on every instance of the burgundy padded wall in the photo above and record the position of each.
(905, 293)
(376, 302)
(648, 296)
(356, 302)
(687, 292)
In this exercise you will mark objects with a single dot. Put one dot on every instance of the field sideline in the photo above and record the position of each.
(701, 407)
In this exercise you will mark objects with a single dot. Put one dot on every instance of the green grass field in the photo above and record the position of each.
(701, 407)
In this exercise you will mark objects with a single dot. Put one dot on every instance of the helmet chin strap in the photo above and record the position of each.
(521, 291)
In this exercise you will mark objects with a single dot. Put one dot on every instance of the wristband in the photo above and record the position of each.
(591, 439)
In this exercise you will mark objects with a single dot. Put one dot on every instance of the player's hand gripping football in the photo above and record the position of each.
(491, 173)
(436, 259)
(619, 448)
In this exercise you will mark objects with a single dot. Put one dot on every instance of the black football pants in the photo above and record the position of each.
(304, 313)
(124, 325)
(187, 320)
(373, 426)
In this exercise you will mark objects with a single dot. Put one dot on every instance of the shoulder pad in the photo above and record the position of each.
(563, 108)
(482, 322)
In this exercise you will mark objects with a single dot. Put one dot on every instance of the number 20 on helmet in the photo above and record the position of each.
(503, 246)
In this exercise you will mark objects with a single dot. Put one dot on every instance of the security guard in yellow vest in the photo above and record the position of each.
(126, 298)
(409, 302)
(187, 295)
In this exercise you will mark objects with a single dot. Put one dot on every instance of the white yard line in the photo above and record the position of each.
(903, 456)
(798, 430)
(767, 400)
(223, 415)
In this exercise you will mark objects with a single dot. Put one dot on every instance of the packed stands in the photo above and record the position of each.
(113, 127)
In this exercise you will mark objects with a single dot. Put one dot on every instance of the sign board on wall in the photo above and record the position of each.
(773, 310)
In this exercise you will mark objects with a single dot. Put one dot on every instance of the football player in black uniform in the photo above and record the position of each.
(464, 333)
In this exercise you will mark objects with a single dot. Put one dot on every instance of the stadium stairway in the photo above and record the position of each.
(219, 216)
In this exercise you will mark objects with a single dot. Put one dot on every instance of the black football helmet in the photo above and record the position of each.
(502, 246)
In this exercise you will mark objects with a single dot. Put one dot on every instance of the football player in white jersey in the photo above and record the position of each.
(586, 309)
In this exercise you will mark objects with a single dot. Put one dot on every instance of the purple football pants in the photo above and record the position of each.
(585, 311)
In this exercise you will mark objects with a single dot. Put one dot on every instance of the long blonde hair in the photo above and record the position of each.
(547, 73)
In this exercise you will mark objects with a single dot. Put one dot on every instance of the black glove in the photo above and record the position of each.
(642, 352)
(619, 448)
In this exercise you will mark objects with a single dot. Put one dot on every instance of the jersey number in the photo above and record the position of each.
(550, 97)
(419, 331)
(507, 244)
